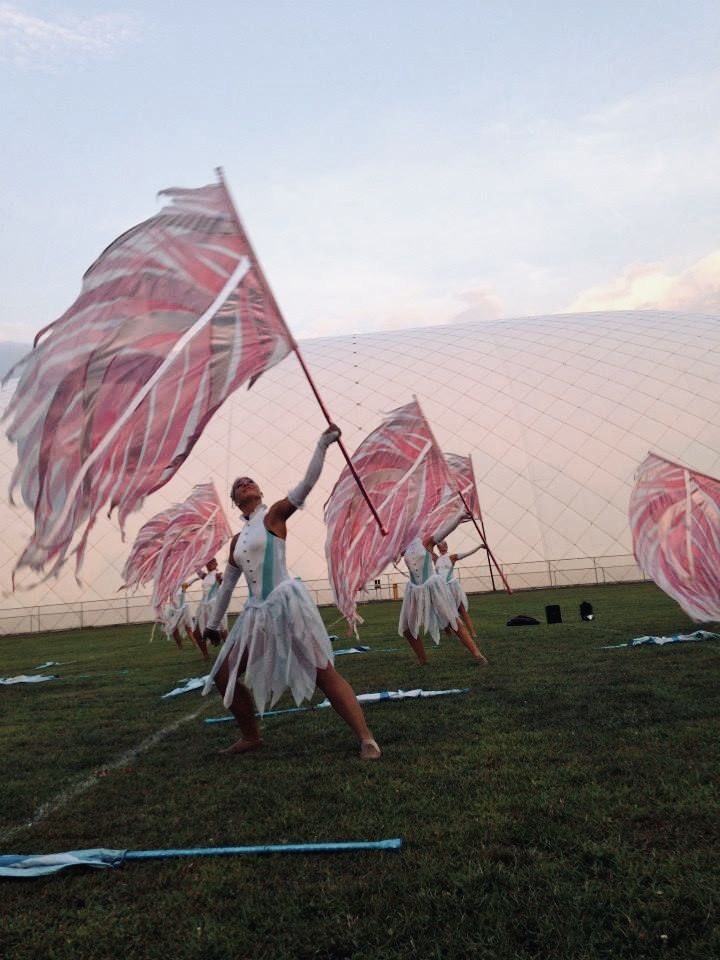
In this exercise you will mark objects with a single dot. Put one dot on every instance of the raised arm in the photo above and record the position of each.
(468, 553)
(445, 529)
(282, 510)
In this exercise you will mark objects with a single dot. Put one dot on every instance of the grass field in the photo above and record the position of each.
(567, 807)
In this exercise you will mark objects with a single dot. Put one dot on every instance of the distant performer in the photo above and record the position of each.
(211, 580)
(279, 641)
(428, 605)
(177, 615)
(445, 566)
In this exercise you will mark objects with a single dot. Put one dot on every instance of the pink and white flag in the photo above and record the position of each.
(675, 524)
(186, 536)
(142, 560)
(461, 479)
(406, 476)
(172, 317)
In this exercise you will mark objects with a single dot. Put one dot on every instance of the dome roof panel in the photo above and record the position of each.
(557, 412)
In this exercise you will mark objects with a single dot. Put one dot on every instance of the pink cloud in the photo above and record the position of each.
(652, 286)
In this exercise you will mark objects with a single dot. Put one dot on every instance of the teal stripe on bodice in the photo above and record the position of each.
(268, 573)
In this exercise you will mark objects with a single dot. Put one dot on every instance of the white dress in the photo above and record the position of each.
(279, 630)
(177, 614)
(428, 605)
(210, 586)
(446, 568)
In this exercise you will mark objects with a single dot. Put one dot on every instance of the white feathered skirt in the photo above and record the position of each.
(202, 615)
(458, 594)
(176, 617)
(428, 608)
(286, 643)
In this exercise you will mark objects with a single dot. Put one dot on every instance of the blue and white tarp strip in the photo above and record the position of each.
(189, 683)
(26, 866)
(27, 678)
(360, 648)
(42, 864)
(662, 641)
(362, 697)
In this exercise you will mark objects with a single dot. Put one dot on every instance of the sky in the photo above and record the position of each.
(397, 164)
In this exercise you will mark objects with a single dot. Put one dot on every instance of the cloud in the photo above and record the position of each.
(482, 304)
(536, 208)
(651, 286)
(34, 42)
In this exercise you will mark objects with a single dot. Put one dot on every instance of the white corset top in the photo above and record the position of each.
(260, 555)
(419, 561)
(444, 566)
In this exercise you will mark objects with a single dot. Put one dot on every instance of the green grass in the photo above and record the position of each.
(567, 807)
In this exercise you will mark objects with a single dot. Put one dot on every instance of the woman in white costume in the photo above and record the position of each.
(428, 605)
(445, 566)
(279, 641)
(211, 581)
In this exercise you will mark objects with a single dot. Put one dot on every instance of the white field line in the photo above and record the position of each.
(65, 796)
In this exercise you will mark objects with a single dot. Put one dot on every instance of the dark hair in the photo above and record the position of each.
(238, 480)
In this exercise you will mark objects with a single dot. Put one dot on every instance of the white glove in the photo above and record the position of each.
(445, 529)
(298, 494)
(469, 553)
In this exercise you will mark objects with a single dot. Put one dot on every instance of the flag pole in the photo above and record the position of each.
(483, 538)
(301, 361)
(482, 522)
(485, 545)
(464, 501)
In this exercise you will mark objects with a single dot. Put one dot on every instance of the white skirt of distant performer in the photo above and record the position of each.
(428, 608)
(202, 615)
(176, 617)
(458, 594)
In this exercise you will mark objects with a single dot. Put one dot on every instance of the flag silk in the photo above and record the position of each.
(675, 523)
(461, 480)
(187, 535)
(172, 317)
(462, 472)
(143, 558)
(406, 477)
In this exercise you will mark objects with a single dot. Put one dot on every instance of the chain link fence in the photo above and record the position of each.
(137, 609)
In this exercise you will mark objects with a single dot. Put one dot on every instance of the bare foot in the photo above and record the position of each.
(369, 750)
(242, 746)
(481, 661)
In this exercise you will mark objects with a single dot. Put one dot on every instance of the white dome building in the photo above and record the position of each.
(557, 412)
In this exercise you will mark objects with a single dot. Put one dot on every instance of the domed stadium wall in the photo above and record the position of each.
(557, 412)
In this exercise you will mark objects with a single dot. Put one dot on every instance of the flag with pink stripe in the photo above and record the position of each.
(173, 544)
(172, 317)
(461, 478)
(675, 524)
(406, 476)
